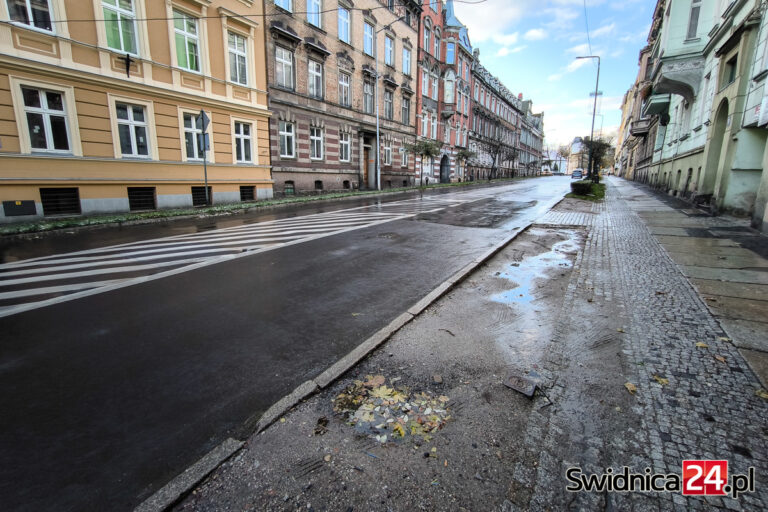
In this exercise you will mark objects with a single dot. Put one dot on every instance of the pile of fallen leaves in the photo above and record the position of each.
(386, 412)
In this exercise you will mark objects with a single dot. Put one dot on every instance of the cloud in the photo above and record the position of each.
(603, 31)
(582, 49)
(535, 34)
(506, 39)
(555, 77)
(503, 52)
(506, 14)
(576, 64)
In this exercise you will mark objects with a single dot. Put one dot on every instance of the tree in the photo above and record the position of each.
(598, 149)
(464, 155)
(564, 152)
(555, 168)
(497, 147)
(426, 149)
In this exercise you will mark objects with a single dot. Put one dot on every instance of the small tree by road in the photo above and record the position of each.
(426, 149)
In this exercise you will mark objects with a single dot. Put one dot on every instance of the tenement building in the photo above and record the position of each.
(443, 102)
(338, 70)
(100, 113)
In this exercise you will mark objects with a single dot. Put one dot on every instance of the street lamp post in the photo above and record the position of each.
(594, 110)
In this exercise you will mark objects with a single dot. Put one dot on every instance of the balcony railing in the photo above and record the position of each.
(640, 127)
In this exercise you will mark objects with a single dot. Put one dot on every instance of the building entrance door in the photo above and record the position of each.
(445, 170)
(366, 166)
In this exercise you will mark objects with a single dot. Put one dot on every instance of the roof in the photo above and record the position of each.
(452, 22)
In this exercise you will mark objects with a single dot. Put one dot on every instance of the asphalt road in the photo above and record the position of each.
(109, 395)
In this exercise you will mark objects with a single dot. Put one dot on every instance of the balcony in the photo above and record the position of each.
(679, 75)
(656, 104)
(640, 127)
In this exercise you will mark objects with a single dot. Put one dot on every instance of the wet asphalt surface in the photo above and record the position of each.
(108, 397)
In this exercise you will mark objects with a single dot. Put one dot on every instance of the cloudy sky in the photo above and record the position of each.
(531, 44)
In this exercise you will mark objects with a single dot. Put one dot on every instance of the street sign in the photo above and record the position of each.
(202, 121)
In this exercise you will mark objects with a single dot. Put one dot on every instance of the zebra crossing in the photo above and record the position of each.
(37, 282)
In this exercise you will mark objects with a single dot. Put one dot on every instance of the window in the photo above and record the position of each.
(424, 83)
(427, 35)
(388, 105)
(287, 138)
(391, 5)
(247, 193)
(344, 147)
(238, 59)
(46, 119)
(194, 150)
(387, 160)
(477, 91)
(405, 163)
(368, 97)
(132, 129)
(730, 70)
(120, 23)
(434, 87)
(406, 110)
(187, 49)
(424, 122)
(450, 53)
(315, 79)
(406, 61)
(434, 126)
(35, 13)
(437, 46)
(285, 4)
(243, 145)
(448, 90)
(284, 67)
(344, 25)
(368, 38)
(466, 105)
(315, 143)
(345, 97)
(314, 7)
(693, 20)
(389, 51)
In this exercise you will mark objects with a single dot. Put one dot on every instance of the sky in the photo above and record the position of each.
(531, 45)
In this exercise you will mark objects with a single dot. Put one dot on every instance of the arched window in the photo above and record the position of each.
(448, 92)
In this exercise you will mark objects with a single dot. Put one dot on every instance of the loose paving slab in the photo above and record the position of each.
(741, 290)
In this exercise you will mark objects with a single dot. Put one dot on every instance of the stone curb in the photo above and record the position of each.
(171, 492)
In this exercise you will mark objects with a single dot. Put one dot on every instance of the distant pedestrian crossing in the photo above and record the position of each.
(33, 283)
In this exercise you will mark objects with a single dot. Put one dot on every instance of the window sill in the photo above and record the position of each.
(286, 157)
(284, 88)
(760, 75)
(283, 10)
(697, 128)
(32, 28)
(315, 27)
(692, 40)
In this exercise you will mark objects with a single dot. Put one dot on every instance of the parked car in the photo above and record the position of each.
(577, 174)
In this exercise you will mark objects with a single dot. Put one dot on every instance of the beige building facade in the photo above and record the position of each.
(100, 99)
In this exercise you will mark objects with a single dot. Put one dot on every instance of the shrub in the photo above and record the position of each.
(581, 188)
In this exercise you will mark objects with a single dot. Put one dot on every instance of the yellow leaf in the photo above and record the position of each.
(443, 398)
(701, 344)
(661, 380)
(720, 358)
(398, 430)
(619, 330)
(762, 394)
(282, 420)
(327, 458)
(723, 338)
(631, 387)
(382, 392)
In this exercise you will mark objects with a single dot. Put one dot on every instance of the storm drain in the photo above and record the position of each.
(60, 201)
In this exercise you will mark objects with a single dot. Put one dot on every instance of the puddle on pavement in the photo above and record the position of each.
(524, 273)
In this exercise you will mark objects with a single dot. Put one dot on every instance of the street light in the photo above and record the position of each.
(594, 109)
(376, 92)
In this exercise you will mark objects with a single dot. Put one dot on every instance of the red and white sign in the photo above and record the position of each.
(705, 477)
